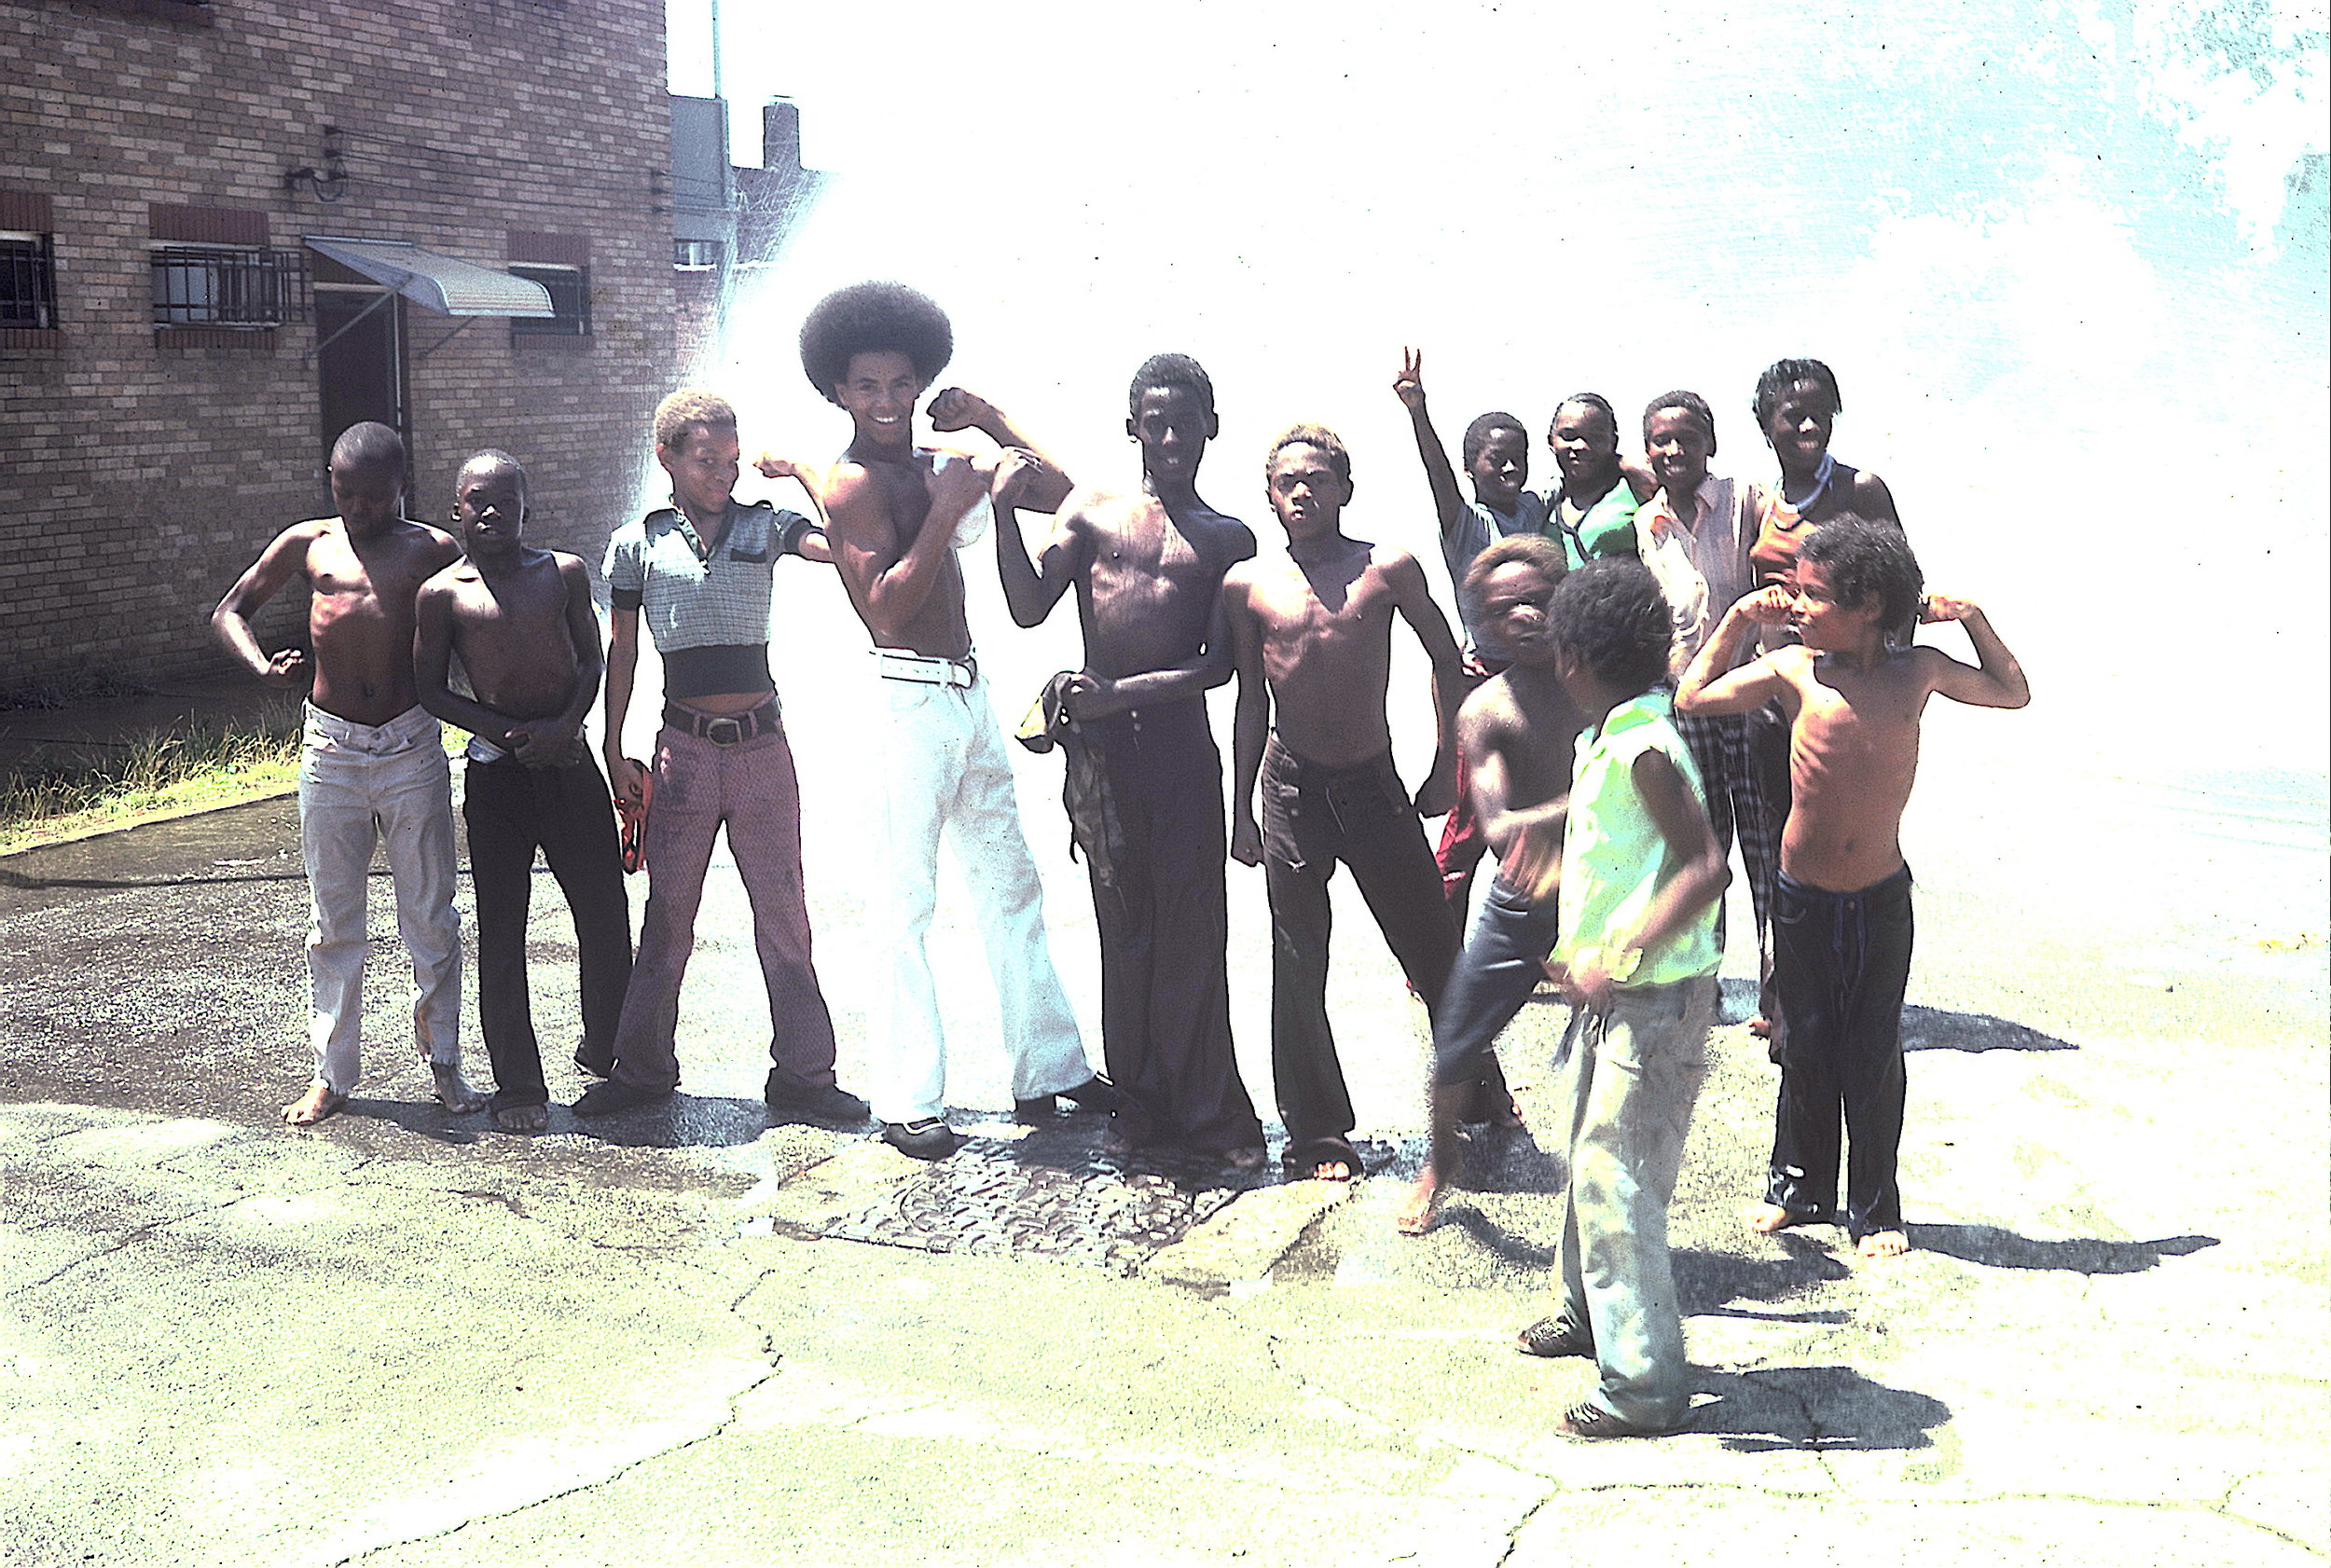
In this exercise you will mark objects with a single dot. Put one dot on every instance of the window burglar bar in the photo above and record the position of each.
(202, 286)
(28, 282)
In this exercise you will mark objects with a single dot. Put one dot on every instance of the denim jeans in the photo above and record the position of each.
(362, 785)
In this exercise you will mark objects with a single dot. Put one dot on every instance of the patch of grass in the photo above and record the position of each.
(65, 792)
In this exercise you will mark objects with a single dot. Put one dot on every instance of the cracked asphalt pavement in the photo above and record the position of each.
(403, 1338)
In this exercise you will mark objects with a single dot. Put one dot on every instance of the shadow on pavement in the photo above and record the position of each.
(682, 1122)
(1926, 1028)
(1818, 1410)
(1995, 1248)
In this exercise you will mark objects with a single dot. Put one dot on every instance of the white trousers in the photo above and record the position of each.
(360, 784)
(942, 772)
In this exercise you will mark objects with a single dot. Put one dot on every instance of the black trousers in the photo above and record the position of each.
(1313, 817)
(1841, 962)
(513, 810)
(1165, 928)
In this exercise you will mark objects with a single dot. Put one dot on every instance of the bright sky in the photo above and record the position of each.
(2052, 251)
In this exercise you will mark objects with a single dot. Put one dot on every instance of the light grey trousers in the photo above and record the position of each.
(387, 783)
(1626, 1079)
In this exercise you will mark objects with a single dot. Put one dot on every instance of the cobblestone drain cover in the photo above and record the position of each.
(1047, 1194)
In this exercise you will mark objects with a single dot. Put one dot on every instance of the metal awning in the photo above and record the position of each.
(446, 285)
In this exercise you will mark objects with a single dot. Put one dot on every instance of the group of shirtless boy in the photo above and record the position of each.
(1782, 664)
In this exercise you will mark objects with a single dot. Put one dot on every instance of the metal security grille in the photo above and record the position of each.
(197, 285)
(570, 290)
(28, 283)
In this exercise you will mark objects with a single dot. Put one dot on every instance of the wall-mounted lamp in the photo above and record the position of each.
(329, 183)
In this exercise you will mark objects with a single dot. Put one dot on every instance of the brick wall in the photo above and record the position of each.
(142, 469)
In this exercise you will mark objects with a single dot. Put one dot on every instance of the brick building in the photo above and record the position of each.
(229, 230)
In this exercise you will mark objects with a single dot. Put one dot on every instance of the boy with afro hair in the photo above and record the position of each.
(898, 512)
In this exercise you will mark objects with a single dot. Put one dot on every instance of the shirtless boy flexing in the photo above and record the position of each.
(372, 766)
(897, 512)
(1312, 627)
(1841, 915)
(1148, 570)
(521, 621)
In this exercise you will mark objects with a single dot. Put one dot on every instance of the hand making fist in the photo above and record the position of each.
(1016, 470)
(955, 410)
(1935, 607)
(1769, 607)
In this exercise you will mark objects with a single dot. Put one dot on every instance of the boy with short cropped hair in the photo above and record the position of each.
(372, 766)
(1636, 954)
(1496, 452)
(1518, 732)
(1312, 627)
(698, 571)
(1146, 566)
(521, 621)
(1841, 919)
(1694, 534)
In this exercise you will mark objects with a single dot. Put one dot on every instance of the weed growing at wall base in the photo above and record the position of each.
(66, 792)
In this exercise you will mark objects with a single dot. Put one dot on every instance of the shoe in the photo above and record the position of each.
(605, 1099)
(1589, 1421)
(1552, 1337)
(930, 1138)
(598, 1066)
(1035, 1112)
(1095, 1093)
(827, 1105)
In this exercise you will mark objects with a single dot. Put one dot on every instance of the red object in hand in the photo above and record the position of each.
(632, 826)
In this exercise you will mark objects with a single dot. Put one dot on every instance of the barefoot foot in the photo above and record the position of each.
(320, 1101)
(522, 1119)
(1765, 1219)
(1415, 1215)
(454, 1092)
(1331, 1170)
(1884, 1243)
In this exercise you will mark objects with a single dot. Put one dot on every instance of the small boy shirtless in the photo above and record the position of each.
(372, 766)
(1842, 916)
(1636, 954)
(1312, 628)
(1518, 734)
(1497, 457)
(521, 621)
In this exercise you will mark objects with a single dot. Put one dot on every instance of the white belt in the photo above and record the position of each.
(926, 670)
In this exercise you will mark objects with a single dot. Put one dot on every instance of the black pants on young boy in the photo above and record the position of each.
(566, 811)
(1841, 962)
(1314, 817)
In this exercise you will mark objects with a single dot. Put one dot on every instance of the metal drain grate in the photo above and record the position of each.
(1044, 1196)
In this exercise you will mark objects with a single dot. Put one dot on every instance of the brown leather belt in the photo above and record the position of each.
(724, 729)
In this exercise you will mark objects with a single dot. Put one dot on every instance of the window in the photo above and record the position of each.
(28, 282)
(696, 256)
(214, 285)
(569, 297)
